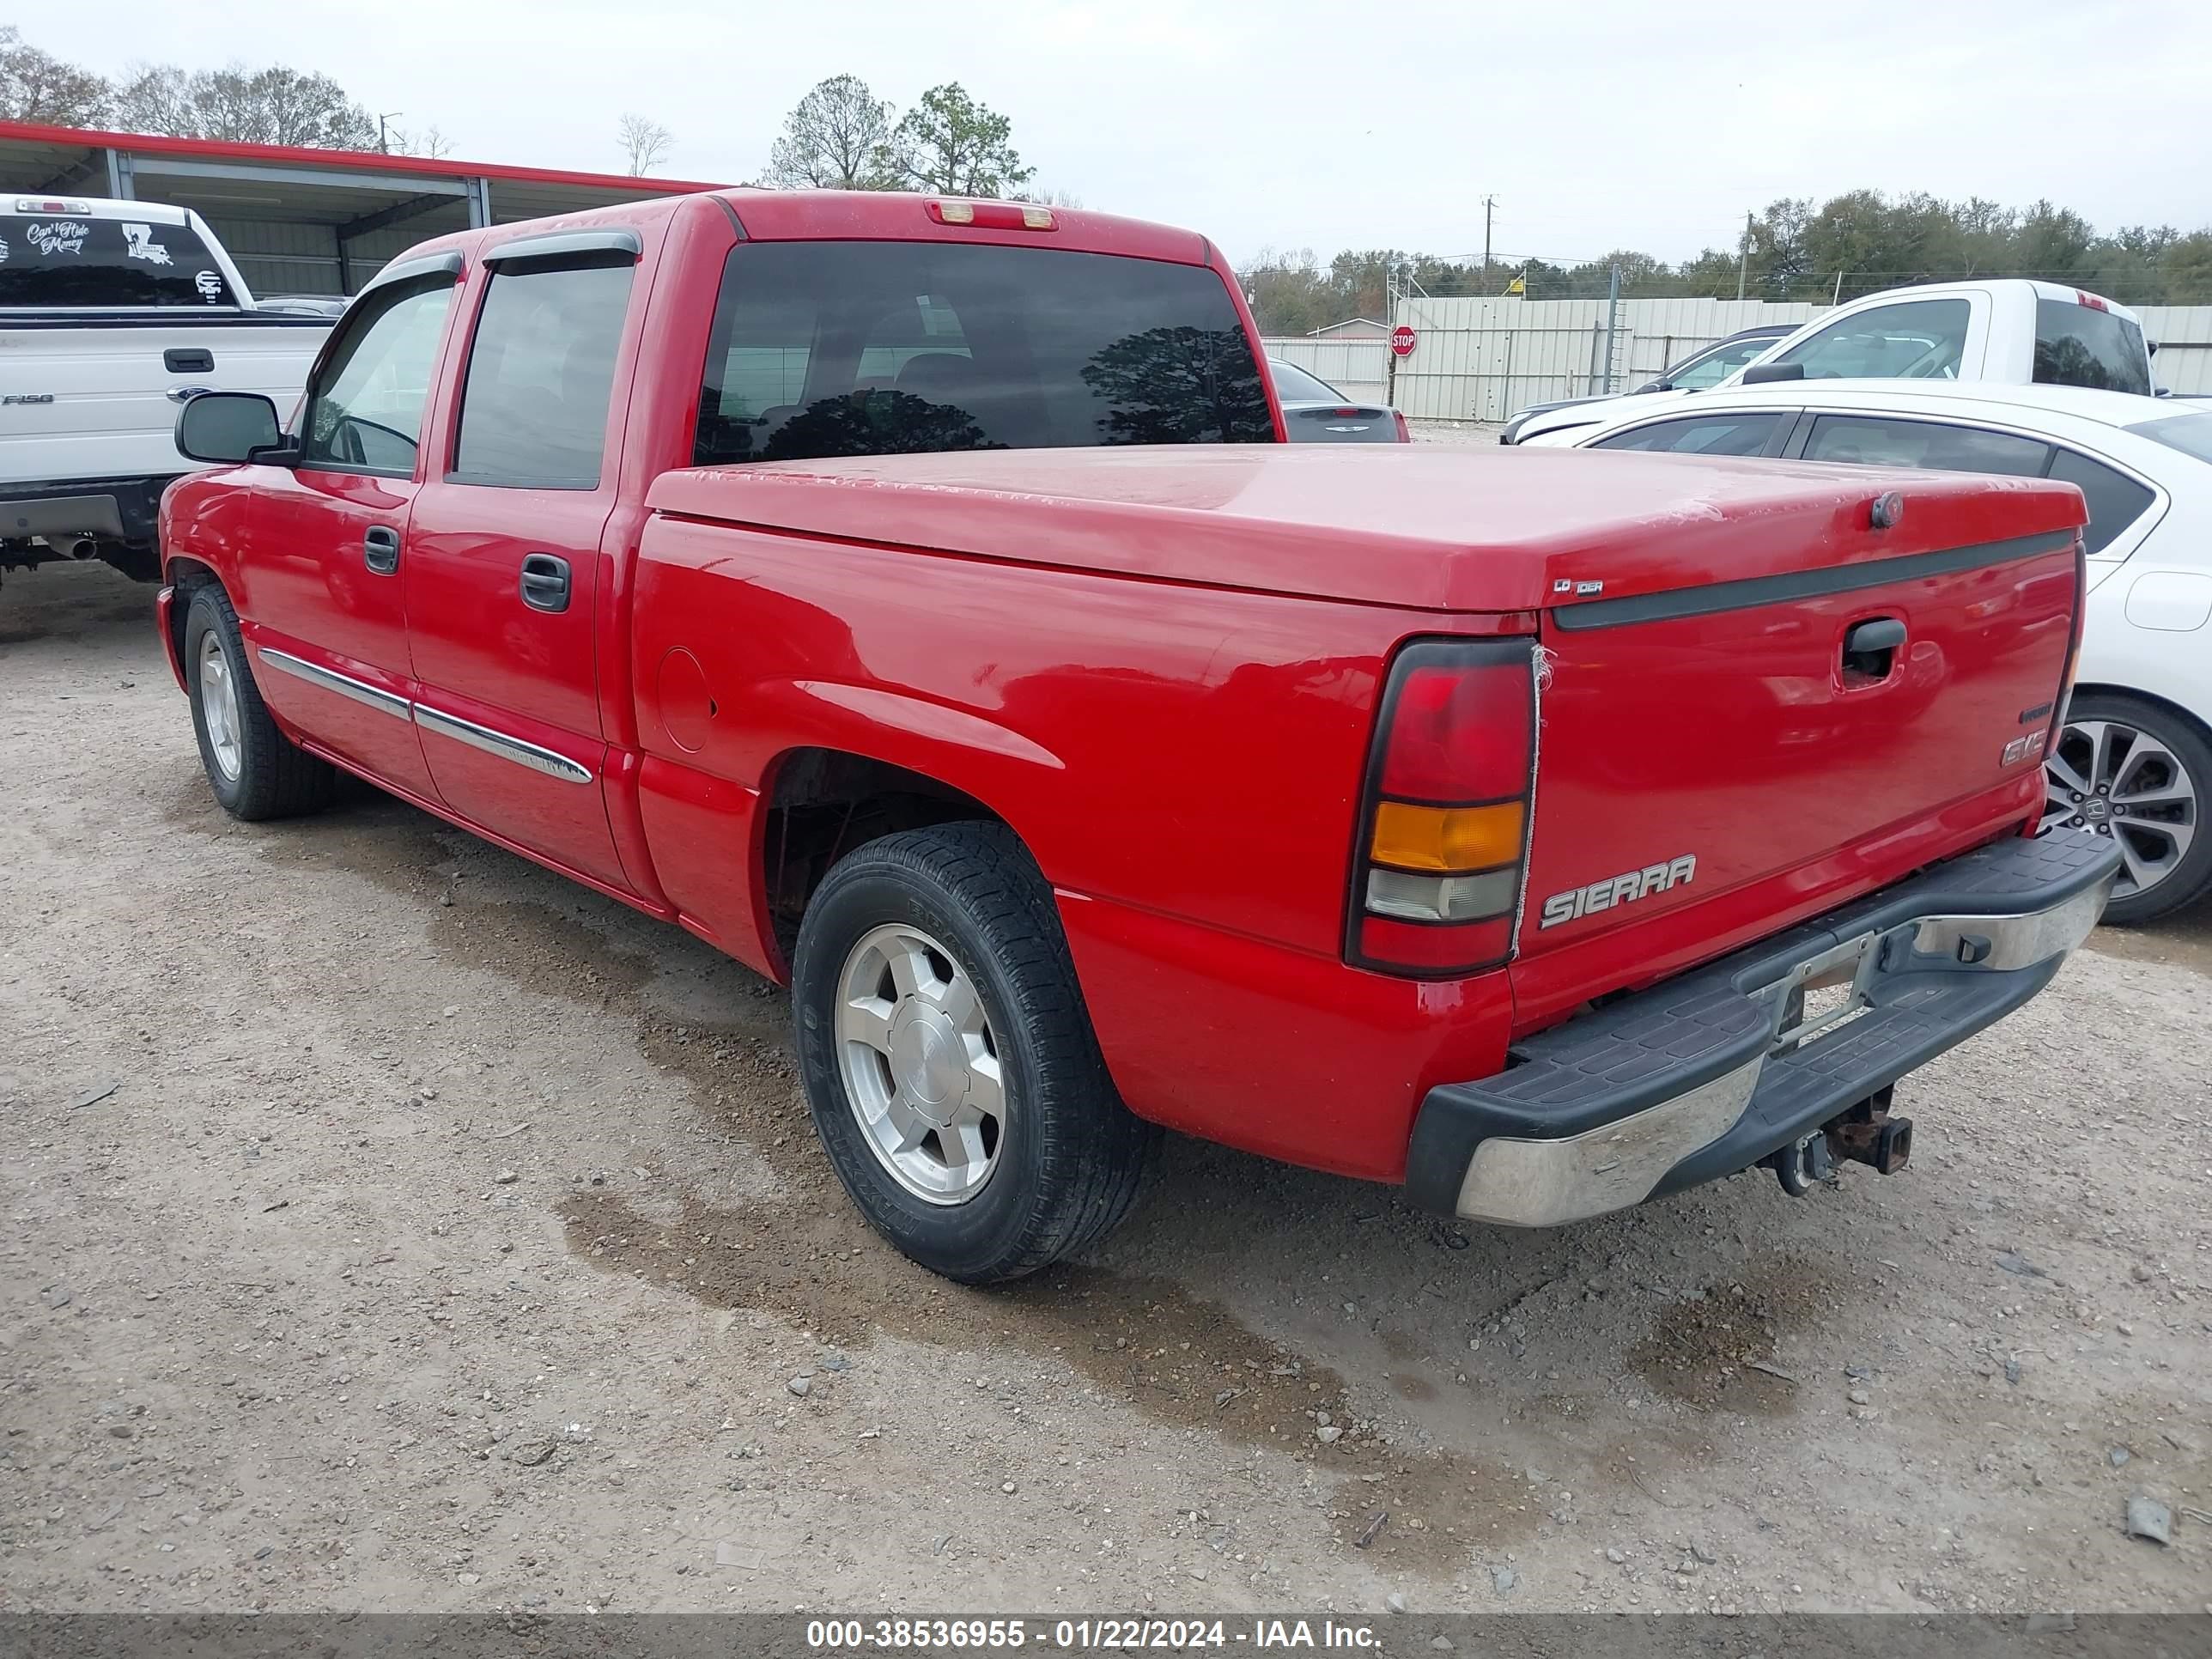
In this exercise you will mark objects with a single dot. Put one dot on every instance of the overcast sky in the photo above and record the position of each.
(1596, 124)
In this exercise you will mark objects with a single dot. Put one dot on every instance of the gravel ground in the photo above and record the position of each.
(391, 1224)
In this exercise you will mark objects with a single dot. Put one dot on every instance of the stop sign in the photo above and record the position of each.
(1403, 340)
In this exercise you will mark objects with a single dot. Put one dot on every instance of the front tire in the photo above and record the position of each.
(950, 1064)
(255, 771)
(2138, 772)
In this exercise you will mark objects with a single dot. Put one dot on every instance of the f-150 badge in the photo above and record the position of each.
(1624, 889)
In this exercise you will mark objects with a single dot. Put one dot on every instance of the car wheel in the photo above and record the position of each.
(255, 771)
(2137, 772)
(949, 1062)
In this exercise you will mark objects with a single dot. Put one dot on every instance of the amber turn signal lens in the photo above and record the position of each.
(1408, 837)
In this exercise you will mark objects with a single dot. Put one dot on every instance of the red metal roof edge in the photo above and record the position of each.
(370, 160)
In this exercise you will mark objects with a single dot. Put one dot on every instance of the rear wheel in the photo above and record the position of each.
(950, 1067)
(2138, 772)
(255, 771)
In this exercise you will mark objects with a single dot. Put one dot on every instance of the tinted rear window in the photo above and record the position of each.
(1294, 386)
(2081, 345)
(2189, 433)
(61, 259)
(889, 348)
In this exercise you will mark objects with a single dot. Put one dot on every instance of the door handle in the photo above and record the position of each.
(545, 582)
(379, 548)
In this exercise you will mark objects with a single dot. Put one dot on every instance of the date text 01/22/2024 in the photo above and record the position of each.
(1083, 1634)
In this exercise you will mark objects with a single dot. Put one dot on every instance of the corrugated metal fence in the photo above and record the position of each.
(1483, 359)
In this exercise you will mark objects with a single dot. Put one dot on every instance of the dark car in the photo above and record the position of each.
(1315, 412)
(1707, 367)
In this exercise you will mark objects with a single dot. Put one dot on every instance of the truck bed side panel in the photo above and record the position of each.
(1192, 800)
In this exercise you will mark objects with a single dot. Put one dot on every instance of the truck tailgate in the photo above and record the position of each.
(1719, 746)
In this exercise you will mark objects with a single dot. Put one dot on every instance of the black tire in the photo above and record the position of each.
(2190, 875)
(1070, 1156)
(276, 777)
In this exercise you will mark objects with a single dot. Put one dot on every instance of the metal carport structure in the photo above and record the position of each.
(304, 220)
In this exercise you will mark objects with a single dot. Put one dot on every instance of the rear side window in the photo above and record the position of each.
(59, 259)
(2116, 500)
(541, 372)
(1704, 434)
(2083, 345)
(1715, 364)
(365, 403)
(1913, 340)
(1882, 441)
(823, 349)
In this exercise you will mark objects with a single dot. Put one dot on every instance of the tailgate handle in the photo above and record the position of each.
(1870, 649)
(188, 360)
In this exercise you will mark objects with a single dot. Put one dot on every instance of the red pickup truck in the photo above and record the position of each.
(914, 598)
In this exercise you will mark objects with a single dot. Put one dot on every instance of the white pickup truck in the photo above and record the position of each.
(113, 314)
(2006, 331)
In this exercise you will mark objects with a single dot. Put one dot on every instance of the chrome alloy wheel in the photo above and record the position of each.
(2121, 782)
(918, 1063)
(218, 708)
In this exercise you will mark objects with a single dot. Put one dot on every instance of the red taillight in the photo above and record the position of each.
(1405, 432)
(2083, 297)
(1447, 744)
(1436, 872)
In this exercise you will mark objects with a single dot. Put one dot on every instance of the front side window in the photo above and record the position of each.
(1704, 434)
(2116, 500)
(2085, 345)
(364, 405)
(1715, 364)
(1886, 440)
(1913, 340)
(70, 260)
(541, 374)
(823, 349)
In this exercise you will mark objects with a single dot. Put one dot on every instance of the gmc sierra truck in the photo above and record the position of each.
(112, 314)
(914, 598)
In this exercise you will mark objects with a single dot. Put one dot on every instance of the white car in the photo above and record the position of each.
(2134, 757)
(2007, 331)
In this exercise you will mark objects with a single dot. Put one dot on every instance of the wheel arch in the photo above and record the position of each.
(821, 801)
(2187, 716)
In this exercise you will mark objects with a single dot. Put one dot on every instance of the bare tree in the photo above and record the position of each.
(429, 144)
(37, 86)
(644, 141)
(240, 105)
(838, 138)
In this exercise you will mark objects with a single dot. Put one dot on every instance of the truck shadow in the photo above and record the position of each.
(74, 603)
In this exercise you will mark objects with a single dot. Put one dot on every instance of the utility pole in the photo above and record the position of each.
(1743, 257)
(383, 137)
(1489, 202)
(1612, 316)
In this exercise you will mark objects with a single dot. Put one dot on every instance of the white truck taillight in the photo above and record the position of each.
(1443, 832)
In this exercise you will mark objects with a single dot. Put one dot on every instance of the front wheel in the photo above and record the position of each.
(2137, 772)
(949, 1062)
(255, 771)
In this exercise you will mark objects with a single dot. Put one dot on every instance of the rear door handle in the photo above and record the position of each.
(545, 582)
(379, 548)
